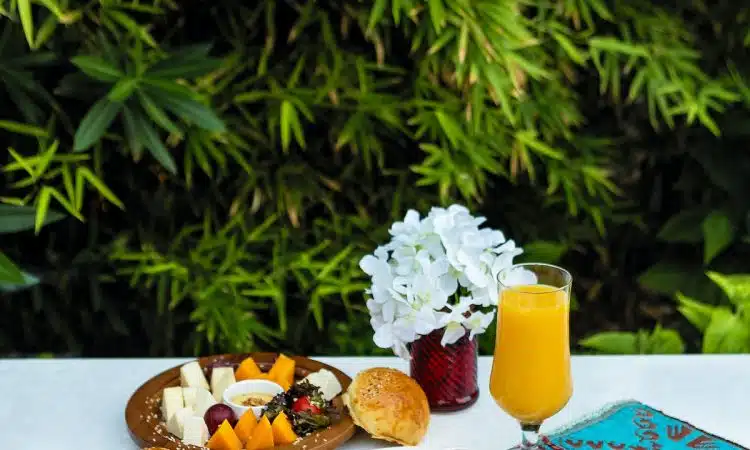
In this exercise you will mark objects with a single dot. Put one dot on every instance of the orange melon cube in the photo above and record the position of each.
(224, 438)
(245, 426)
(282, 371)
(247, 370)
(283, 433)
(262, 437)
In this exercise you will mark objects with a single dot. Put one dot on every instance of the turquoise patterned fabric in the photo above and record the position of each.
(634, 426)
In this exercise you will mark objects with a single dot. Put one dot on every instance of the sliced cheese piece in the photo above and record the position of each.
(191, 375)
(203, 401)
(177, 421)
(221, 378)
(326, 381)
(195, 431)
(171, 401)
(189, 395)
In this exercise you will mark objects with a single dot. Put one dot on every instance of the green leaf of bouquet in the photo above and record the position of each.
(21, 218)
(718, 233)
(664, 342)
(726, 333)
(615, 342)
(736, 287)
(9, 272)
(97, 68)
(150, 138)
(697, 313)
(95, 123)
(684, 227)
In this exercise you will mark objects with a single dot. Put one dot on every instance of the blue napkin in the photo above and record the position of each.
(632, 425)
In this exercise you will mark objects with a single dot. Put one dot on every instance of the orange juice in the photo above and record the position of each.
(530, 376)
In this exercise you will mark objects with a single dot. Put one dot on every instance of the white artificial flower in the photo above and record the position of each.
(428, 262)
(478, 323)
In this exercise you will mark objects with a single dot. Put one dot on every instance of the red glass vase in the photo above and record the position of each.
(448, 375)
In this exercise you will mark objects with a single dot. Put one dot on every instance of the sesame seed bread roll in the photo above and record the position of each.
(389, 405)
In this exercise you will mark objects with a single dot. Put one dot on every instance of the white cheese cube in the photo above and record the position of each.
(203, 401)
(176, 423)
(221, 378)
(188, 395)
(171, 401)
(195, 431)
(191, 375)
(326, 381)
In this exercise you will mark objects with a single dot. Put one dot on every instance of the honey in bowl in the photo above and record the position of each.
(252, 399)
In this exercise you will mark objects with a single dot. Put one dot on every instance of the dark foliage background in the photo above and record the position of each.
(194, 177)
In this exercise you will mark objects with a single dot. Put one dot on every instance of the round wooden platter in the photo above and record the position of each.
(143, 412)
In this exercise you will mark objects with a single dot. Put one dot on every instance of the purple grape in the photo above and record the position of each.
(217, 414)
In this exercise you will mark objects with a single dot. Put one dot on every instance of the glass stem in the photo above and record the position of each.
(530, 435)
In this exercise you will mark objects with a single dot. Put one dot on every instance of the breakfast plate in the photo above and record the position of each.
(168, 410)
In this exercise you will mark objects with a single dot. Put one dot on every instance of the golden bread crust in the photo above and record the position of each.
(389, 405)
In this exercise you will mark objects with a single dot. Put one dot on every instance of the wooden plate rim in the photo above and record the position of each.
(142, 433)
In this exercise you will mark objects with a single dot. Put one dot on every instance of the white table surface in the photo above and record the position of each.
(67, 404)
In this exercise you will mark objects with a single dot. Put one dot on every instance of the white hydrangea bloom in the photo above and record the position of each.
(427, 265)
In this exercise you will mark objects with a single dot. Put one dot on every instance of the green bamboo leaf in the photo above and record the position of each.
(42, 206)
(23, 128)
(123, 89)
(52, 6)
(572, 51)
(528, 138)
(378, 9)
(97, 68)
(46, 31)
(186, 108)
(132, 26)
(84, 173)
(157, 114)
(617, 46)
(150, 138)
(183, 66)
(68, 185)
(451, 128)
(290, 124)
(14, 218)
(601, 8)
(437, 14)
(27, 20)
(29, 280)
(334, 262)
(9, 272)
(95, 123)
(194, 147)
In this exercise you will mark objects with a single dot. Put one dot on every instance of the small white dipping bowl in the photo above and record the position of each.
(249, 387)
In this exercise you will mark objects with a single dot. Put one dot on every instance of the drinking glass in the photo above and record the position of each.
(530, 377)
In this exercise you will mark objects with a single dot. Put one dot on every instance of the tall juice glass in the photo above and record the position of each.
(530, 377)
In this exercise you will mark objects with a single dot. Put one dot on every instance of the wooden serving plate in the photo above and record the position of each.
(143, 412)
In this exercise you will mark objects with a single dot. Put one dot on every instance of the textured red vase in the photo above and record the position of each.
(448, 375)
